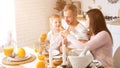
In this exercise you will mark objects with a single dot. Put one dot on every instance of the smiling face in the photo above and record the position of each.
(69, 16)
(56, 24)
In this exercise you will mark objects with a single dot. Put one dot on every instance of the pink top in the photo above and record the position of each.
(100, 45)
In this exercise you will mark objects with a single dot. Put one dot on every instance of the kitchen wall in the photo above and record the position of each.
(107, 8)
(32, 19)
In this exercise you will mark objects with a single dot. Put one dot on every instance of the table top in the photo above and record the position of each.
(26, 65)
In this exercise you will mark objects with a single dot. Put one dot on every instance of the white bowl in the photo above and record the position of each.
(81, 61)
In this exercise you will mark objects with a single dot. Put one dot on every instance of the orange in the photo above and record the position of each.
(41, 57)
(43, 37)
(21, 53)
(40, 64)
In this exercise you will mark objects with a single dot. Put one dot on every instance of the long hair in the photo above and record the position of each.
(97, 22)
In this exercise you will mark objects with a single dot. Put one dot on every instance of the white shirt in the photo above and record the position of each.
(55, 40)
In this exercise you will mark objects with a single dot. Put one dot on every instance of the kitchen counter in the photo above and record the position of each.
(113, 22)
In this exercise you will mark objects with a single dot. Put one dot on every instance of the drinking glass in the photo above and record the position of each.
(36, 47)
(8, 50)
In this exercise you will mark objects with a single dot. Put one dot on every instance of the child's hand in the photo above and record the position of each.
(65, 33)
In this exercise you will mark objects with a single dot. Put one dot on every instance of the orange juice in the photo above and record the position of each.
(43, 37)
(36, 50)
(8, 51)
(57, 62)
(41, 63)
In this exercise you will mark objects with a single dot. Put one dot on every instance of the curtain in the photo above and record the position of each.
(7, 21)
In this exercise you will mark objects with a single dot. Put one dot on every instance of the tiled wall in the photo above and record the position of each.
(32, 19)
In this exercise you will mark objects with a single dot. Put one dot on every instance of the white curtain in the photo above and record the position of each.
(7, 21)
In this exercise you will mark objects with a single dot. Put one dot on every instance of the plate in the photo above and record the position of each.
(57, 57)
(17, 59)
(55, 52)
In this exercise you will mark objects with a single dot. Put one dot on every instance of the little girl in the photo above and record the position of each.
(54, 35)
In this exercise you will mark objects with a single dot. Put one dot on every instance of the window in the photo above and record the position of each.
(7, 20)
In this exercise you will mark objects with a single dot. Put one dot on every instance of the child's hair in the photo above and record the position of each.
(53, 17)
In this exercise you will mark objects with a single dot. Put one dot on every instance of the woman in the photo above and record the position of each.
(100, 43)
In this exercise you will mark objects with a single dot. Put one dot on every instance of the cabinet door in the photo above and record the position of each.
(115, 31)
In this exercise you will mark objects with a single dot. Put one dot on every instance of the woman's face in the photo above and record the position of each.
(87, 21)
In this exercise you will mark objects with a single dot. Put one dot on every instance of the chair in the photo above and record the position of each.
(116, 58)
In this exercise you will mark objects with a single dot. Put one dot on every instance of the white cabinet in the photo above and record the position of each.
(115, 31)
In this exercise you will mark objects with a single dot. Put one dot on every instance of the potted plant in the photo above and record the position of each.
(59, 6)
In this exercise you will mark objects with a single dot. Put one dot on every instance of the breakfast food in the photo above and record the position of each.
(21, 53)
(40, 64)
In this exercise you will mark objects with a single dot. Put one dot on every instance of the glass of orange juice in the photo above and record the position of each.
(43, 37)
(36, 47)
(8, 50)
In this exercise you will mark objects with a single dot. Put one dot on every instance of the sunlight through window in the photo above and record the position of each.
(7, 20)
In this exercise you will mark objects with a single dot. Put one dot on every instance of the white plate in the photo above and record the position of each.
(55, 52)
(57, 57)
(19, 59)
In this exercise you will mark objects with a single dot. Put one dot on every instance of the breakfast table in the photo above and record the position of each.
(30, 64)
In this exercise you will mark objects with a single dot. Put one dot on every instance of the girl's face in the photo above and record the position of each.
(87, 21)
(56, 24)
